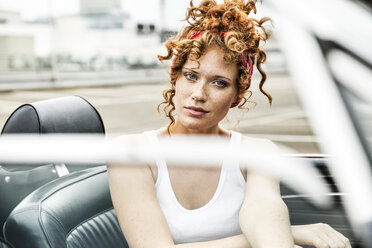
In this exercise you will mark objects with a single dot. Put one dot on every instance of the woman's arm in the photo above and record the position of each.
(140, 216)
(135, 203)
(319, 235)
(233, 242)
(264, 217)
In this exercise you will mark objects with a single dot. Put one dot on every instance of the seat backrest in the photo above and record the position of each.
(72, 211)
(70, 114)
(15, 186)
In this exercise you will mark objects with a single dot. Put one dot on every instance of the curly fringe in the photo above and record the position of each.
(243, 34)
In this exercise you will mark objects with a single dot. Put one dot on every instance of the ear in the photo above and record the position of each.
(236, 103)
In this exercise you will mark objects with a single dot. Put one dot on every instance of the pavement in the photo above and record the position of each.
(47, 80)
(127, 102)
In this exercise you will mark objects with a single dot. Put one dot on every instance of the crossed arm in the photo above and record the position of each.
(141, 219)
(265, 224)
(263, 217)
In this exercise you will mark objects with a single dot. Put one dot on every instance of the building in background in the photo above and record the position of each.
(16, 52)
(10, 17)
(99, 6)
(16, 48)
(101, 37)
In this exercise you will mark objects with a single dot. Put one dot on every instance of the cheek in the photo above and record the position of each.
(224, 99)
(225, 106)
(221, 106)
(181, 92)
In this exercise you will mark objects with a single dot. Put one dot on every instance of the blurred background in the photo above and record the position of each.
(106, 51)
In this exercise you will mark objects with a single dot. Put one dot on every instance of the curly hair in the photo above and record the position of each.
(241, 34)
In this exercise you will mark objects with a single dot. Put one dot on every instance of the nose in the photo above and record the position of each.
(200, 91)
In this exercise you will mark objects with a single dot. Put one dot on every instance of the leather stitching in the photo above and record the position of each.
(87, 220)
(46, 231)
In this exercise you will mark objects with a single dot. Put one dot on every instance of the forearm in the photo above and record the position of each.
(238, 241)
(266, 224)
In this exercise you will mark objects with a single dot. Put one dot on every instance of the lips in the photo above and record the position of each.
(196, 111)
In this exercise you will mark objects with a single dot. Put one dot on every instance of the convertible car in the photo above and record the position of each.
(68, 205)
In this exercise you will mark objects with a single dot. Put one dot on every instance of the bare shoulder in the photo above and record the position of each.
(265, 144)
(258, 177)
(124, 140)
(138, 138)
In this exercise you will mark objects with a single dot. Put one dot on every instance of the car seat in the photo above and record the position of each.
(73, 211)
(70, 114)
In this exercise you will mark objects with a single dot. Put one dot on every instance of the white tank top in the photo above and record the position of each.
(219, 218)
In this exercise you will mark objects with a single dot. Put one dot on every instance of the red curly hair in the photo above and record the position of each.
(242, 34)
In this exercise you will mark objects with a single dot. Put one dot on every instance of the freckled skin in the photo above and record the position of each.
(212, 87)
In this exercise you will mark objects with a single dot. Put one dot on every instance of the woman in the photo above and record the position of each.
(163, 206)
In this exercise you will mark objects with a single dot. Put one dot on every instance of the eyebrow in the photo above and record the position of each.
(189, 69)
(215, 76)
(222, 77)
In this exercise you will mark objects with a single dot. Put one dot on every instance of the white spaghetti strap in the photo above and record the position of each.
(236, 139)
(151, 136)
(160, 163)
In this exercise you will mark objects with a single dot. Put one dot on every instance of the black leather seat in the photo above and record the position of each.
(70, 114)
(72, 211)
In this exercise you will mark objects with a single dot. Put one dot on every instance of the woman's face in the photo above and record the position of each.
(204, 95)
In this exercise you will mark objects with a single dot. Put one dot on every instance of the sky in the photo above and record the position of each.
(31, 9)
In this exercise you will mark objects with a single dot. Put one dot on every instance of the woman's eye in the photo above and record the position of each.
(190, 76)
(221, 84)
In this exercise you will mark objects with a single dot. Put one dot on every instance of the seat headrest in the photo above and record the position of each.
(71, 114)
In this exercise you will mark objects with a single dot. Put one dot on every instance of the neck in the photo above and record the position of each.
(177, 128)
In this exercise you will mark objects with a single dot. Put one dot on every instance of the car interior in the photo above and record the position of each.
(66, 205)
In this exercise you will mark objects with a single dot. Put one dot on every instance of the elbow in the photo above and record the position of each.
(253, 212)
(265, 223)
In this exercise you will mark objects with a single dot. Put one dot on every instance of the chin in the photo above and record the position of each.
(195, 123)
